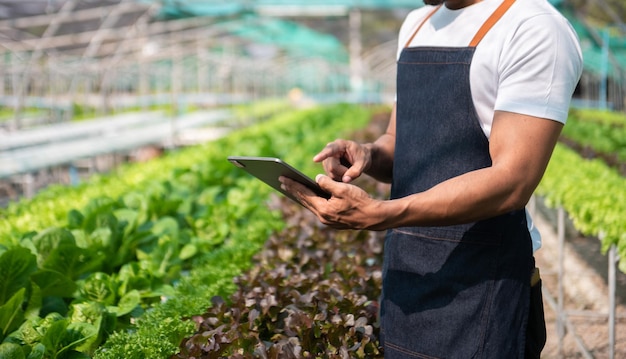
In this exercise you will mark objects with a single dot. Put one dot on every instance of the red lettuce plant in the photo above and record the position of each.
(312, 293)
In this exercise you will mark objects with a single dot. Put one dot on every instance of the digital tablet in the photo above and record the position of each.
(268, 169)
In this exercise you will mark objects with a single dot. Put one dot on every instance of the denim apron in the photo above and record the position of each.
(458, 291)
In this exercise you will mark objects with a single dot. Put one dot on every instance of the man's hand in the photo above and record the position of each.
(344, 160)
(348, 208)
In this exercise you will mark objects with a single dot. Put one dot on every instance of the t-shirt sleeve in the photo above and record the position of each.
(539, 69)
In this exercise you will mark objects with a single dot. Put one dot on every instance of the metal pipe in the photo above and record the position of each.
(561, 272)
(356, 63)
(566, 323)
(613, 258)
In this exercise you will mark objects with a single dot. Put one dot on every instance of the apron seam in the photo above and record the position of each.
(408, 352)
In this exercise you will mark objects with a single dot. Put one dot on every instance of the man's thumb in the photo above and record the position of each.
(325, 182)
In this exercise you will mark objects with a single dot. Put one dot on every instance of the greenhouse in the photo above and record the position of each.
(125, 232)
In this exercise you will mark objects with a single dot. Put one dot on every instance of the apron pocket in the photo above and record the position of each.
(437, 291)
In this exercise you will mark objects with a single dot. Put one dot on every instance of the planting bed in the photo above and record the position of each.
(107, 269)
(312, 292)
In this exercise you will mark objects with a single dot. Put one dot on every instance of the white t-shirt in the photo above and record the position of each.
(529, 62)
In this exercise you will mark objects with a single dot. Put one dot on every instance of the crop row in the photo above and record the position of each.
(50, 207)
(156, 334)
(590, 190)
(603, 117)
(602, 132)
(160, 244)
(312, 292)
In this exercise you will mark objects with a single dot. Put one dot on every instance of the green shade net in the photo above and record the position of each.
(297, 40)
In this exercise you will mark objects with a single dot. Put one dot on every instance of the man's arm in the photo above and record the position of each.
(520, 147)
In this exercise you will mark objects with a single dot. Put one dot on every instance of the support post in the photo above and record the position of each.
(613, 258)
(28, 185)
(356, 63)
(604, 67)
(561, 272)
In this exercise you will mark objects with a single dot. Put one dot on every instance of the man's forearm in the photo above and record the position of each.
(381, 165)
(470, 197)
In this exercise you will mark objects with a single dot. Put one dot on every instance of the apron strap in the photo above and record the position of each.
(420, 25)
(497, 14)
(490, 22)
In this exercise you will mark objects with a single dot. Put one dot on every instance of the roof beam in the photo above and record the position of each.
(75, 16)
(119, 33)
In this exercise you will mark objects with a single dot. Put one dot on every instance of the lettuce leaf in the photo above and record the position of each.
(16, 266)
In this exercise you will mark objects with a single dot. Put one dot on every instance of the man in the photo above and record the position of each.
(483, 91)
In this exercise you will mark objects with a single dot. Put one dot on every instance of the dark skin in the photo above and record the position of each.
(452, 4)
(520, 147)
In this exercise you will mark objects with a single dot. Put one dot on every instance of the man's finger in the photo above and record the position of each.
(326, 152)
(354, 171)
